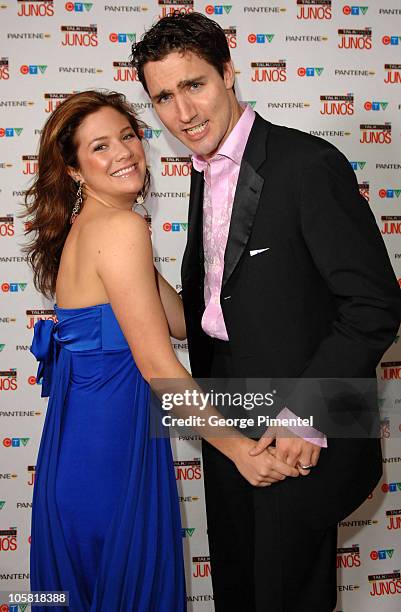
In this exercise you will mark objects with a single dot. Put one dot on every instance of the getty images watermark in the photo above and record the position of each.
(247, 401)
(337, 407)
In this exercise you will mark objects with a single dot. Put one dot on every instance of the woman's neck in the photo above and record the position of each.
(120, 203)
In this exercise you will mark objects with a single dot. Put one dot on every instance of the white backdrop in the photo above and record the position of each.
(329, 68)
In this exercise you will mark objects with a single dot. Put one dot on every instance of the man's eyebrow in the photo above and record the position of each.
(127, 127)
(181, 85)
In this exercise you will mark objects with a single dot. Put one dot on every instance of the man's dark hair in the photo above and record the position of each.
(189, 32)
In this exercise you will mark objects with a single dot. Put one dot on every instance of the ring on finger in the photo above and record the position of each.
(305, 467)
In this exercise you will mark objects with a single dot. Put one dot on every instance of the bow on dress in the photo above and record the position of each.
(44, 347)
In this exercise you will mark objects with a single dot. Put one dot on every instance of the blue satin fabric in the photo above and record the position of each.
(105, 517)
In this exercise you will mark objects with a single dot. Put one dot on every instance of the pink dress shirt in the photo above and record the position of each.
(221, 176)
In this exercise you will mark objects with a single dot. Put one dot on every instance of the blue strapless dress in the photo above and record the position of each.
(105, 516)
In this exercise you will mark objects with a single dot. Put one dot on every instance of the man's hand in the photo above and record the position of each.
(292, 450)
(261, 470)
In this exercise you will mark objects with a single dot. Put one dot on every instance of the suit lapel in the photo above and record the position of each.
(247, 195)
(194, 248)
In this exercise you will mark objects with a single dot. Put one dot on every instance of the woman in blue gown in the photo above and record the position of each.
(105, 516)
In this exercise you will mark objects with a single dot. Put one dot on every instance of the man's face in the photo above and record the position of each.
(193, 101)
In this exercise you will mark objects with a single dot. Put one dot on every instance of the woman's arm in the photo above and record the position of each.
(125, 266)
(173, 308)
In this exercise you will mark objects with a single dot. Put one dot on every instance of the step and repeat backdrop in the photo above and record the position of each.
(330, 68)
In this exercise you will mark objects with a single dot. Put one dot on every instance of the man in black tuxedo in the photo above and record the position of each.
(285, 274)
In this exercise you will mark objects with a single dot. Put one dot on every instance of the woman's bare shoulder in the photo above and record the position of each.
(114, 226)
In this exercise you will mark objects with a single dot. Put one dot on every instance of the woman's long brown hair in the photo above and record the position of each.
(50, 199)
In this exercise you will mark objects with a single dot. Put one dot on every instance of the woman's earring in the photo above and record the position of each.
(140, 199)
(77, 205)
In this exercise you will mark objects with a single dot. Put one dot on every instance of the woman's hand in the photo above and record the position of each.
(261, 470)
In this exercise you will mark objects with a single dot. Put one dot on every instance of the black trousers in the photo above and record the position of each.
(263, 557)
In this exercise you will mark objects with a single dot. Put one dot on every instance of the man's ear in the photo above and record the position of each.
(229, 74)
(75, 174)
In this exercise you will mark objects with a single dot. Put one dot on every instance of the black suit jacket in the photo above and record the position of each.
(322, 301)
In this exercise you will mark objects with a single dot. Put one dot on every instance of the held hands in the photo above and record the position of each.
(292, 451)
(262, 469)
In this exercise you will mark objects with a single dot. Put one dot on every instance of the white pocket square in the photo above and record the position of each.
(257, 251)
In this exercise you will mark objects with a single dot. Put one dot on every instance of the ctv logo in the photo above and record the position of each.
(79, 36)
(348, 557)
(78, 7)
(175, 226)
(201, 567)
(394, 519)
(8, 380)
(355, 10)
(310, 71)
(35, 9)
(389, 193)
(358, 165)
(231, 36)
(149, 133)
(252, 103)
(314, 9)
(54, 100)
(7, 226)
(260, 38)
(218, 9)
(13, 287)
(381, 555)
(375, 134)
(169, 7)
(188, 470)
(33, 69)
(8, 542)
(375, 106)
(10, 132)
(269, 72)
(391, 487)
(4, 69)
(355, 39)
(176, 166)
(391, 225)
(123, 72)
(337, 105)
(15, 442)
(391, 369)
(391, 40)
(385, 584)
(121, 37)
(31, 164)
(393, 73)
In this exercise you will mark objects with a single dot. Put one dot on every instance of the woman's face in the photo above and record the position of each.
(110, 155)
